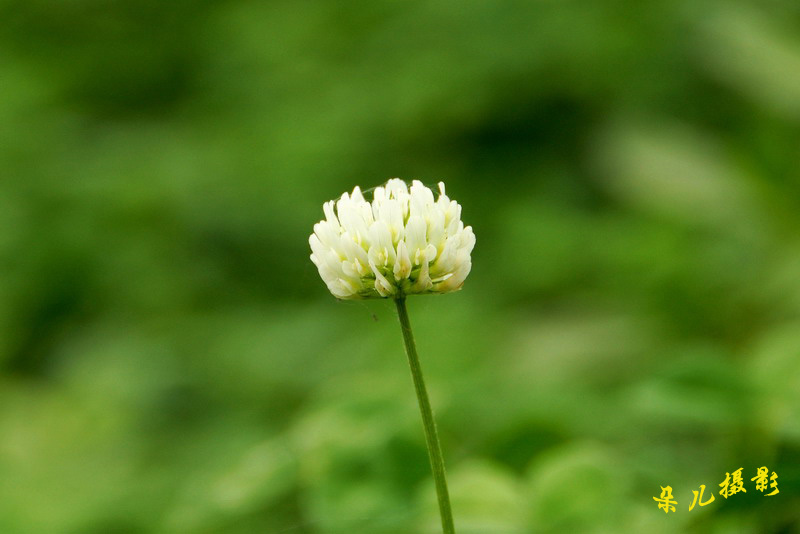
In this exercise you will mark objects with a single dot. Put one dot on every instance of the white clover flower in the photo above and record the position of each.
(403, 242)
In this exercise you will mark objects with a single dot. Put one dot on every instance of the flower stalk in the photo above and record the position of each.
(401, 242)
(428, 423)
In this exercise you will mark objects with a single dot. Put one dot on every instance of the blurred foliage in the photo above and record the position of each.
(171, 362)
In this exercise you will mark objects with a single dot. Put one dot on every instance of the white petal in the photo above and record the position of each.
(430, 253)
(415, 237)
(421, 201)
(351, 218)
(329, 213)
(378, 196)
(328, 235)
(391, 213)
(454, 227)
(352, 249)
(339, 290)
(316, 245)
(467, 238)
(423, 282)
(381, 239)
(447, 258)
(436, 233)
(382, 285)
(402, 266)
(452, 211)
(455, 282)
(396, 188)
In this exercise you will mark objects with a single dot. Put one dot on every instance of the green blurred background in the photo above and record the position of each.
(170, 361)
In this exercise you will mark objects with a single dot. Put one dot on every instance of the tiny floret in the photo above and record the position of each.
(403, 242)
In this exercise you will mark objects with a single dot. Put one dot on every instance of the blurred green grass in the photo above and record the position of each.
(171, 362)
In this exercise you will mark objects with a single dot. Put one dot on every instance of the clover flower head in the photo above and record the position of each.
(403, 242)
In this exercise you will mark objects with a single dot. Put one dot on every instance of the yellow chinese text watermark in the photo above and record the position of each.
(732, 485)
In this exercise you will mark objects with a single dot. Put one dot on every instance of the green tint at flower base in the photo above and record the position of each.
(403, 242)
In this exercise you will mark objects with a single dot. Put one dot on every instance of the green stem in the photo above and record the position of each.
(432, 438)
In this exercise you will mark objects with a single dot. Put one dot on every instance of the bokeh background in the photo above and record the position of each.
(170, 361)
